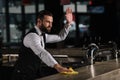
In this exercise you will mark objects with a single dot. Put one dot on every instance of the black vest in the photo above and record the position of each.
(28, 59)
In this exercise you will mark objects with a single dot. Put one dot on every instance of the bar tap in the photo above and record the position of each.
(91, 52)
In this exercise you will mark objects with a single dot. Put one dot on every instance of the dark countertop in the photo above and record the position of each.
(87, 72)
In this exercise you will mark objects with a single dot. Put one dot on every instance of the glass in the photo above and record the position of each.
(15, 14)
(2, 27)
(2, 21)
(15, 20)
(15, 31)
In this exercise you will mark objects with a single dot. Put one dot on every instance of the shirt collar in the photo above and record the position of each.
(38, 30)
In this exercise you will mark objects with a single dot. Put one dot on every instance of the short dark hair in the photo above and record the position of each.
(42, 13)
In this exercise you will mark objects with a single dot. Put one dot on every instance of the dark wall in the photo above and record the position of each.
(105, 25)
(118, 21)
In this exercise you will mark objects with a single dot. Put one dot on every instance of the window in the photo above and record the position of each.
(15, 18)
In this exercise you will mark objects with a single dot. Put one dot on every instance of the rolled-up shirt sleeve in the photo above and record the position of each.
(33, 41)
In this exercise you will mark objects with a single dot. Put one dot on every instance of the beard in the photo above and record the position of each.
(44, 29)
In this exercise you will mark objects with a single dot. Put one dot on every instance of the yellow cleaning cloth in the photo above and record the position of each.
(73, 72)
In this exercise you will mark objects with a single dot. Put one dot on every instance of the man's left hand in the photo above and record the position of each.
(69, 16)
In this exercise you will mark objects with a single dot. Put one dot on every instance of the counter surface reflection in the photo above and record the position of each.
(88, 72)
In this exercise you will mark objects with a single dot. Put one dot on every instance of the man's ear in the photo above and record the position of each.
(39, 21)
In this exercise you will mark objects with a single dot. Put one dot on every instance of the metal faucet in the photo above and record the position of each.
(92, 48)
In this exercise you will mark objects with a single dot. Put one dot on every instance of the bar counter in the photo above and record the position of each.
(106, 70)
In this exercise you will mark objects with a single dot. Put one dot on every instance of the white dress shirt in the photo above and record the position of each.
(36, 43)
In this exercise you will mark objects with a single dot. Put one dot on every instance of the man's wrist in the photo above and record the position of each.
(56, 66)
(67, 25)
